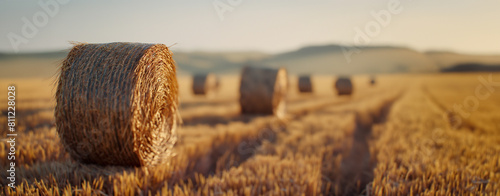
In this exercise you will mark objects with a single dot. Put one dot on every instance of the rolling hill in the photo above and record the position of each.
(322, 59)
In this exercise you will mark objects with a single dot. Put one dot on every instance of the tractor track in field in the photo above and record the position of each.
(452, 118)
(357, 167)
(224, 154)
(194, 104)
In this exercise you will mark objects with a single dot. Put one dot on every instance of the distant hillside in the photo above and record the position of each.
(218, 62)
(323, 59)
(448, 59)
(324, 49)
(472, 67)
(331, 59)
(45, 55)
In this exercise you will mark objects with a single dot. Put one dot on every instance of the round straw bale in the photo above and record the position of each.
(263, 91)
(344, 86)
(117, 103)
(372, 80)
(305, 84)
(217, 83)
(205, 84)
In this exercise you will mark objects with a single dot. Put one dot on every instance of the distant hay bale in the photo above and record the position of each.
(344, 86)
(263, 91)
(372, 80)
(117, 103)
(305, 84)
(205, 84)
(217, 83)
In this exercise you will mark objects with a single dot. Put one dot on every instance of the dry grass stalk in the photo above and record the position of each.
(263, 91)
(117, 103)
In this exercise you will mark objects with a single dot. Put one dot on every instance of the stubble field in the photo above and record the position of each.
(401, 136)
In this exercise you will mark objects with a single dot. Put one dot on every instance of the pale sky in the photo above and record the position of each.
(467, 26)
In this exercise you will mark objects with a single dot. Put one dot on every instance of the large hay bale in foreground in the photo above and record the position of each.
(344, 86)
(117, 103)
(205, 84)
(263, 91)
(305, 84)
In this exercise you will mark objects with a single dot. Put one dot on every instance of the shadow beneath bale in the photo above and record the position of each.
(29, 120)
(226, 154)
(216, 103)
(26, 112)
(213, 120)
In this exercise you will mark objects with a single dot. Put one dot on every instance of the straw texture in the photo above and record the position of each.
(344, 86)
(117, 103)
(263, 91)
(305, 84)
(205, 84)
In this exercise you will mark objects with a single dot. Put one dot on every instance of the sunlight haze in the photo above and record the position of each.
(257, 25)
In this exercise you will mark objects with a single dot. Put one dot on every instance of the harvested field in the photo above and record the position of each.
(401, 136)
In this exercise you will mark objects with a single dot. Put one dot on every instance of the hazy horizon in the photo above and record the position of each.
(222, 51)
